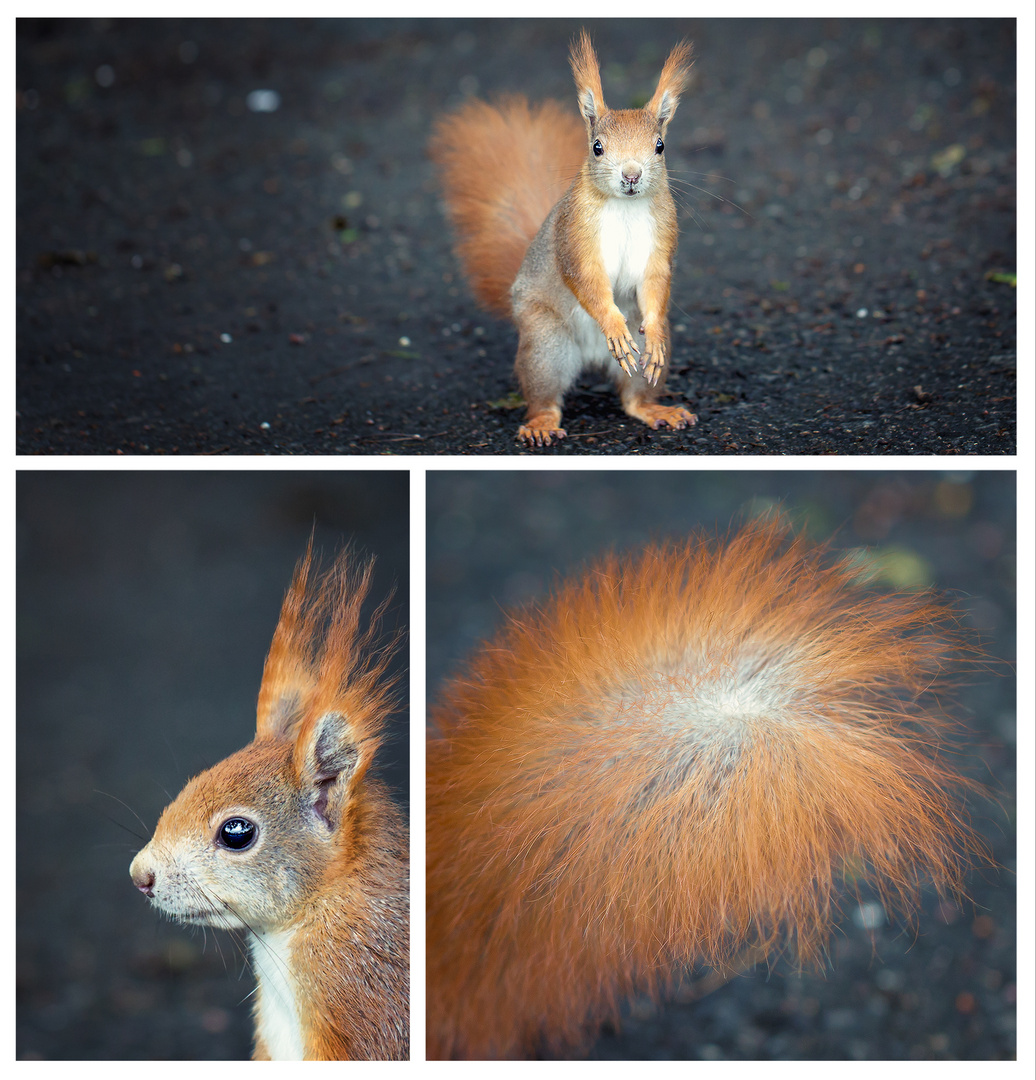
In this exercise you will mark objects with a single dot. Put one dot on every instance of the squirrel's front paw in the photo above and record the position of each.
(655, 350)
(654, 359)
(625, 350)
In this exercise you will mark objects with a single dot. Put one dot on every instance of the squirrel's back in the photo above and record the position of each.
(677, 760)
(291, 842)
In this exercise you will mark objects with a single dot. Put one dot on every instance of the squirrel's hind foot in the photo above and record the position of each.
(542, 428)
(661, 416)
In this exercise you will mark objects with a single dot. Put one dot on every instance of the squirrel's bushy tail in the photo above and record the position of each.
(502, 168)
(679, 757)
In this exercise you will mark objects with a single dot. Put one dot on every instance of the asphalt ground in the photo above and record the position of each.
(197, 277)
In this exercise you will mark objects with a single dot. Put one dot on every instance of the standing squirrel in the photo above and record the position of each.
(577, 270)
(291, 841)
(678, 760)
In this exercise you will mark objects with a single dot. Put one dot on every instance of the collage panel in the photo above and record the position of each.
(721, 765)
(147, 602)
(368, 236)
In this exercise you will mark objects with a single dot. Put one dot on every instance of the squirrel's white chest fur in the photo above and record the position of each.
(627, 237)
(277, 1014)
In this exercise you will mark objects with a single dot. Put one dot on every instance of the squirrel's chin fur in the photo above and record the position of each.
(681, 758)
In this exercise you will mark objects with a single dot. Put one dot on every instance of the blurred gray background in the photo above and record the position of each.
(146, 603)
(946, 991)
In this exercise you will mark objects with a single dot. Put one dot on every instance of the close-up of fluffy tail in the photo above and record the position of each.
(688, 756)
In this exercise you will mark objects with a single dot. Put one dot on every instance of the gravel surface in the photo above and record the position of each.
(943, 990)
(198, 275)
(146, 604)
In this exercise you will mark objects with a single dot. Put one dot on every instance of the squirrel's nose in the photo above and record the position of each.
(146, 884)
(143, 877)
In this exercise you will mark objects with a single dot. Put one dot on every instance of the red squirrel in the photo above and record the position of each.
(292, 842)
(679, 759)
(580, 271)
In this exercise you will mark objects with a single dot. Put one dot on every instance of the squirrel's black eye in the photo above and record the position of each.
(598, 148)
(237, 834)
(659, 146)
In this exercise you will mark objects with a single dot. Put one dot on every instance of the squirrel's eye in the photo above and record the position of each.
(659, 146)
(598, 148)
(237, 834)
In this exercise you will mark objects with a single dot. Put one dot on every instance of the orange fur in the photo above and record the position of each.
(679, 757)
(502, 169)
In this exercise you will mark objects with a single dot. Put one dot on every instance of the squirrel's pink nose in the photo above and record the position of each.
(145, 881)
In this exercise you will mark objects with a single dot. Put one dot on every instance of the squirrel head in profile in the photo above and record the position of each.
(627, 146)
(248, 841)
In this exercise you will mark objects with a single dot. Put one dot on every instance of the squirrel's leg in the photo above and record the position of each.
(653, 301)
(547, 364)
(640, 394)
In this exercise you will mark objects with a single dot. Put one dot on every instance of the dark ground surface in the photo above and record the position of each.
(841, 306)
(146, 604)
(944, 992)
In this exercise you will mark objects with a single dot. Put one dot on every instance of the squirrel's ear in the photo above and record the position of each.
(588, 79)
(325, 754)
(671, 83)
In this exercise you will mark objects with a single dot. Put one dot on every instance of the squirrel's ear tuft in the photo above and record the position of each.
(287, 675)
(326, 755)
(671, 83)
(587, 74)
